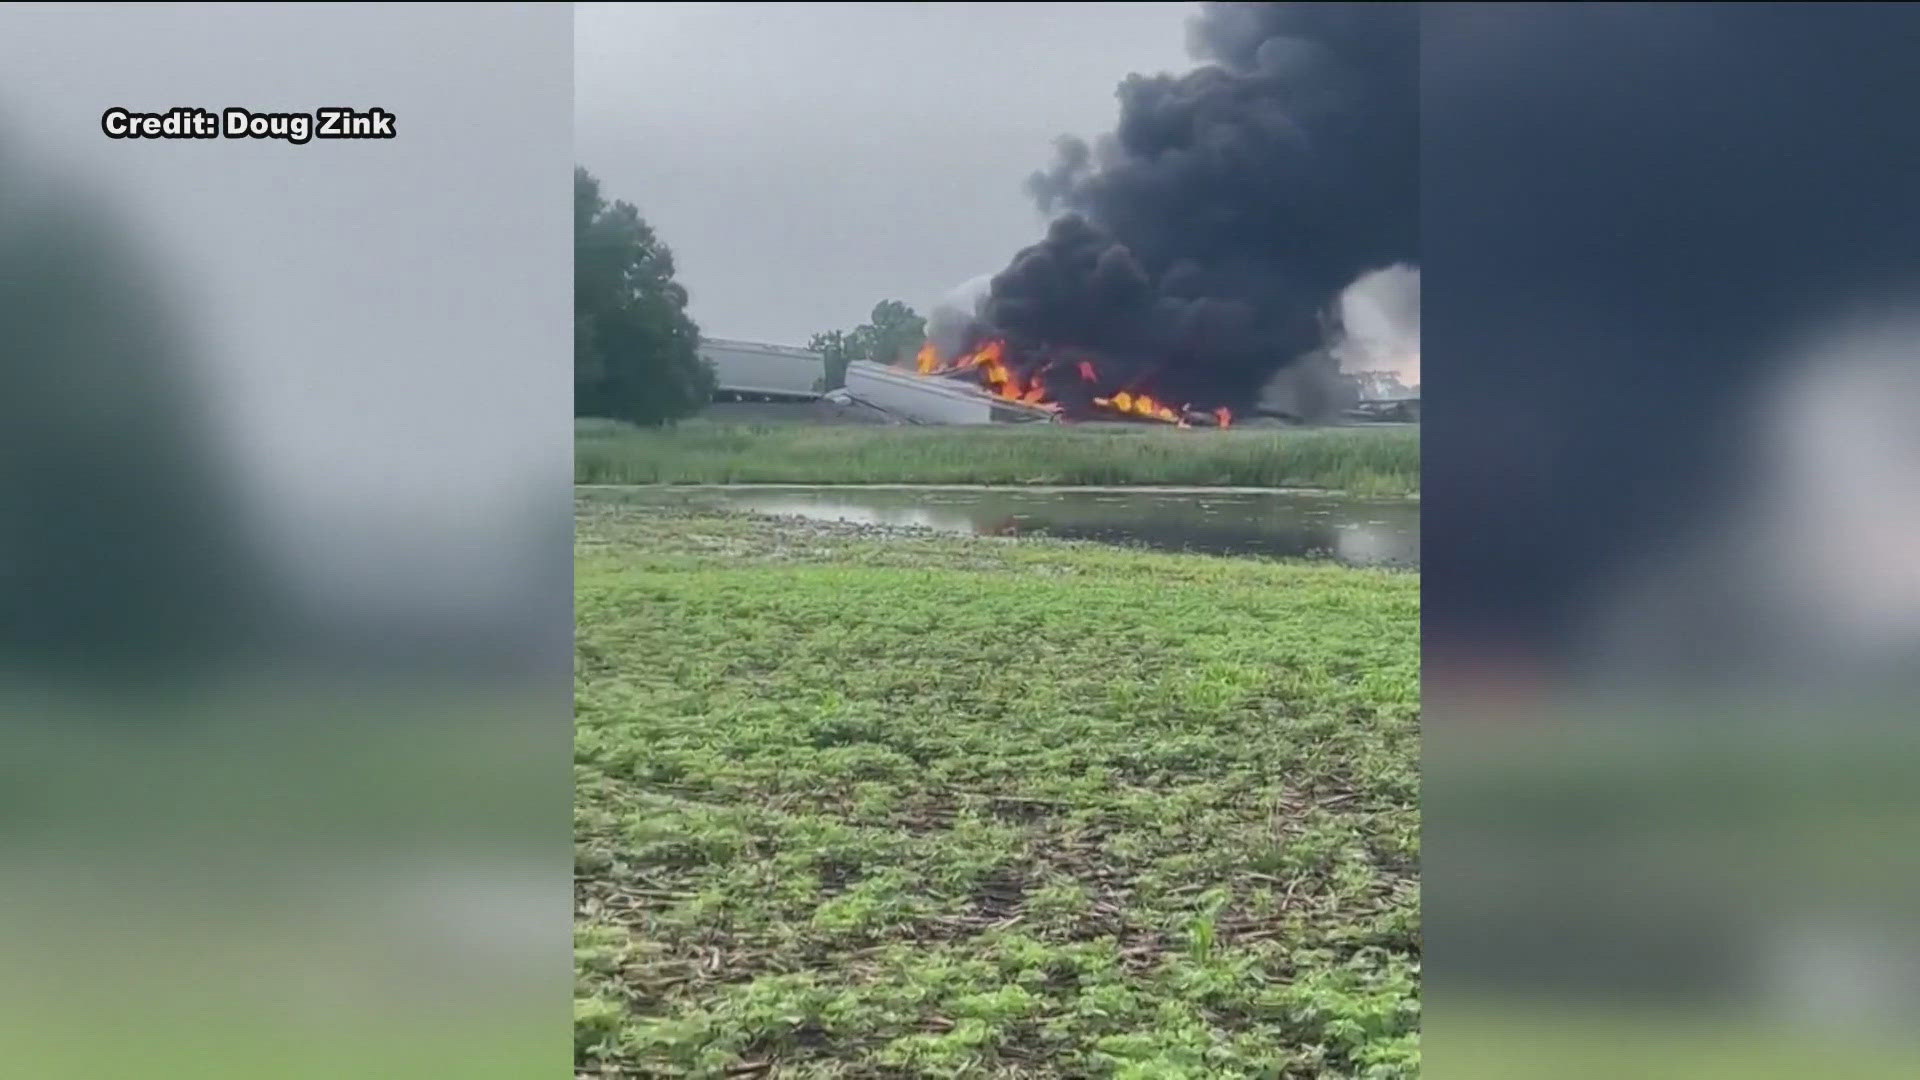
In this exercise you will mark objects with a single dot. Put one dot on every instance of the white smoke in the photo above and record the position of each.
(956, 313)
(1380, 314)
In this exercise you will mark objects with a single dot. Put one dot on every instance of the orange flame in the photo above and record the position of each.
(1001, 381)
(1141, 405)
(1224, 416)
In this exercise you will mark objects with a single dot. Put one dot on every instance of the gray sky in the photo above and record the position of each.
(805, 161)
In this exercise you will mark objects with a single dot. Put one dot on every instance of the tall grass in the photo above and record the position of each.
(1375, 461)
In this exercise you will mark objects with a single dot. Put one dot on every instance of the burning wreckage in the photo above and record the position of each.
(988, 378)
(1063, 385)
(1198, 257)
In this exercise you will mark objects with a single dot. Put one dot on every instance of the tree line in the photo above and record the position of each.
(892, 333)
(636, 351)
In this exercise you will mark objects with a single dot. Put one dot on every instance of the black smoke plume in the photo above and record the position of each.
(1201, 246)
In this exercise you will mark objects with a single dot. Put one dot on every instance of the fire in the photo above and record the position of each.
(1027, 385)
(1142, 405)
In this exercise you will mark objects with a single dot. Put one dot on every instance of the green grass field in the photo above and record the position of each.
(932, 806)
(1364, 460)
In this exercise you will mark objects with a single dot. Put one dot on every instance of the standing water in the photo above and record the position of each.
(1274, 524)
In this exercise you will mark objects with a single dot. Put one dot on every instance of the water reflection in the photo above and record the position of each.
(1361, 532)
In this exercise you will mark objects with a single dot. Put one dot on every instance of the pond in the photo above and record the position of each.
(1223, 521)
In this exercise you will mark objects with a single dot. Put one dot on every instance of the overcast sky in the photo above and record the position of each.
(805, 161)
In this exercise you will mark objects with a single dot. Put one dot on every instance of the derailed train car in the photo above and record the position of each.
(752, 371)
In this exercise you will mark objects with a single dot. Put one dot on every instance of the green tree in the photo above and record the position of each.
(893, 333)
(635, 350)
(834, 347)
